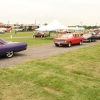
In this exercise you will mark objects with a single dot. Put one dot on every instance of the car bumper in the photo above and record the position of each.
(61, 43)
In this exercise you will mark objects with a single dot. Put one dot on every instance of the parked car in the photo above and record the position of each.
(1, 31)
(97, 36)
(89, 37)
(40, 34)
(8, 48)
(19, 29)
(68, 39)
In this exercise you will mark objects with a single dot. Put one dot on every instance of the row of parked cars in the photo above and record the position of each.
(8, 48)
(73, 38)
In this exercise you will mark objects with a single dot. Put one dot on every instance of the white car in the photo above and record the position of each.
(2, 31)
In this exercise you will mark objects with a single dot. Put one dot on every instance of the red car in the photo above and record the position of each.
(68, 39)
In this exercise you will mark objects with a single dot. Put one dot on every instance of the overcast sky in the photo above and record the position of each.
(67, 12)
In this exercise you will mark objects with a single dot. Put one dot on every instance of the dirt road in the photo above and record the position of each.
(38, 52)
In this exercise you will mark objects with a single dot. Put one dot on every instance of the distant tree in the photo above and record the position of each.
(85, 26)
(45, 24)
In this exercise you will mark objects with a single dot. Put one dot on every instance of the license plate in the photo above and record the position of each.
(58, 42)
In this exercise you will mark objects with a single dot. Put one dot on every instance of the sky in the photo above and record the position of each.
(67, 12)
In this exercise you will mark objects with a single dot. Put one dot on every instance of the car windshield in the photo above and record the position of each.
(86, 35)
(66, 36)
(38, 32)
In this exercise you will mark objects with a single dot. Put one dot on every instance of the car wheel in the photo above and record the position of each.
(69, 44)
(80, 42)
(90, 40)
(56, 45)
(9, 54)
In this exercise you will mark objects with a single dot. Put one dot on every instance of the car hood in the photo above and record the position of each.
(87, 37)
(61, 38)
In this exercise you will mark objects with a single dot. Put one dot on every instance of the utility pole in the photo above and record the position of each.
(35, 22)
(81, 24)
(96, 25)
(8, 22)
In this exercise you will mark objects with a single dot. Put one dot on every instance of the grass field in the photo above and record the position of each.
(26, 37)
(69, 76)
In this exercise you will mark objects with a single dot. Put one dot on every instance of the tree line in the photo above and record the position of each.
(87, 27)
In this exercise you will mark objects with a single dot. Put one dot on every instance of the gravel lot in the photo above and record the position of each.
(39, 52)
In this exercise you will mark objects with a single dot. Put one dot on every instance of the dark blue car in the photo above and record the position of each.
(8, 48)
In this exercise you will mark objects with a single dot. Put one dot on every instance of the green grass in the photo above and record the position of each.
(26, 37)
(69, 76)
(33, 41)
(18, 34)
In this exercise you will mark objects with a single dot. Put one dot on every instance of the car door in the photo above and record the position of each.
(2, 48)
(75, 38)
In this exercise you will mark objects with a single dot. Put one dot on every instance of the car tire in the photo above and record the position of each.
(80, 43)
(9, 54)
(56, 45)
(90, 40)
(69, 44)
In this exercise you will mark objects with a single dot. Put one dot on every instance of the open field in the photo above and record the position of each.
(26, 37)
(69, 76)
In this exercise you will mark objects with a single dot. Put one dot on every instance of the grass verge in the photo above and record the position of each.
(70, 76)
(26, 37)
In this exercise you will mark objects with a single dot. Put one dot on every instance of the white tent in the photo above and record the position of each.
(55, 25)
(42, 28)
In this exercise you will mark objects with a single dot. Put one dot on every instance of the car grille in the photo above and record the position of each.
(61, 41)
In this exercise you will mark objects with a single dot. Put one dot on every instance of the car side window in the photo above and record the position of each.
(76, 35)
(1, 43)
